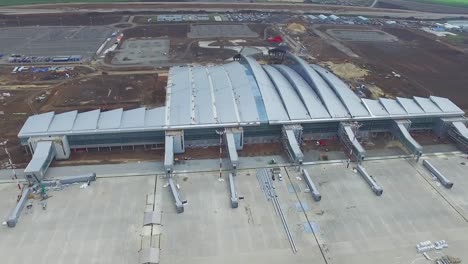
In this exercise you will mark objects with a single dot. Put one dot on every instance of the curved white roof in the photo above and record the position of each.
(349, 99)
(289, 97)
(309, 98)
(242, 93)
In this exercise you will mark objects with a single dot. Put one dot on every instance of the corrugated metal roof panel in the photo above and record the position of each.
(110, 119)
(155, 117)
(310, 99)
(63, 122)
(410, 106)
(392, 106)
(375, 107)
(133, 118)
(242, 92)
(204, 109)
(427, 105)
(37, 123)
(275, 111)
(227, 111)
(290, 99)
(87, 120)
(348, 97)
(445, 104)
(180, 94)
(333, 104)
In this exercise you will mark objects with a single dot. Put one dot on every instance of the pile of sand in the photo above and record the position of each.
(296, 28)
(347, 71)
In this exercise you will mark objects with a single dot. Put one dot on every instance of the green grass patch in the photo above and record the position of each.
(30, 2)
(460, 3)
(458, 39)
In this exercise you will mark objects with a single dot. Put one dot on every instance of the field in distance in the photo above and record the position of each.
(461, 3)
(30, 2)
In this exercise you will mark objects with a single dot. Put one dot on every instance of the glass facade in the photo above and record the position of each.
(125, 138)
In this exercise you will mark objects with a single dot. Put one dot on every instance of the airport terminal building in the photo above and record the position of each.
(247, 103)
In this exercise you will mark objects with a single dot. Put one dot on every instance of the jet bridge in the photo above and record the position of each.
(312, 188)
(349, 140)
(232, 150)
(174, 142)
(44, 154)
(291, 139)
(233, 190)
(458, 133)
(400, 129)
(454, 129)
(443, 180)
(179, 201)
(370, 180)
(169, 155)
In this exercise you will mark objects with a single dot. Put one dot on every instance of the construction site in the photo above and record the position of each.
(249, 137)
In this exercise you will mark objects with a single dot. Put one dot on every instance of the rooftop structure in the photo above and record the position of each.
(258, 103)
(242, 93)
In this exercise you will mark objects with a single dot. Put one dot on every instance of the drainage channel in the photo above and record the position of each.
(307, 218)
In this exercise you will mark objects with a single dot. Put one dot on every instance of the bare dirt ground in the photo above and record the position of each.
(184, 50)
(109, 92)
(25, 94)
(112, 156)
(426, 66)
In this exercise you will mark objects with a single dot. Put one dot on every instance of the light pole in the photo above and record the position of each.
(220, 133)
(10, 163)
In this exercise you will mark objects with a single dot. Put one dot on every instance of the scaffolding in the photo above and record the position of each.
(400, 130)
(458, 133)
(350, 142)
(291, 140)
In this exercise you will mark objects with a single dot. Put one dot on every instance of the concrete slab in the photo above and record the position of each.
(142, 51)
(210, 231)
(455, 168)
(99, 224)
(358, 227)
(103, 223)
